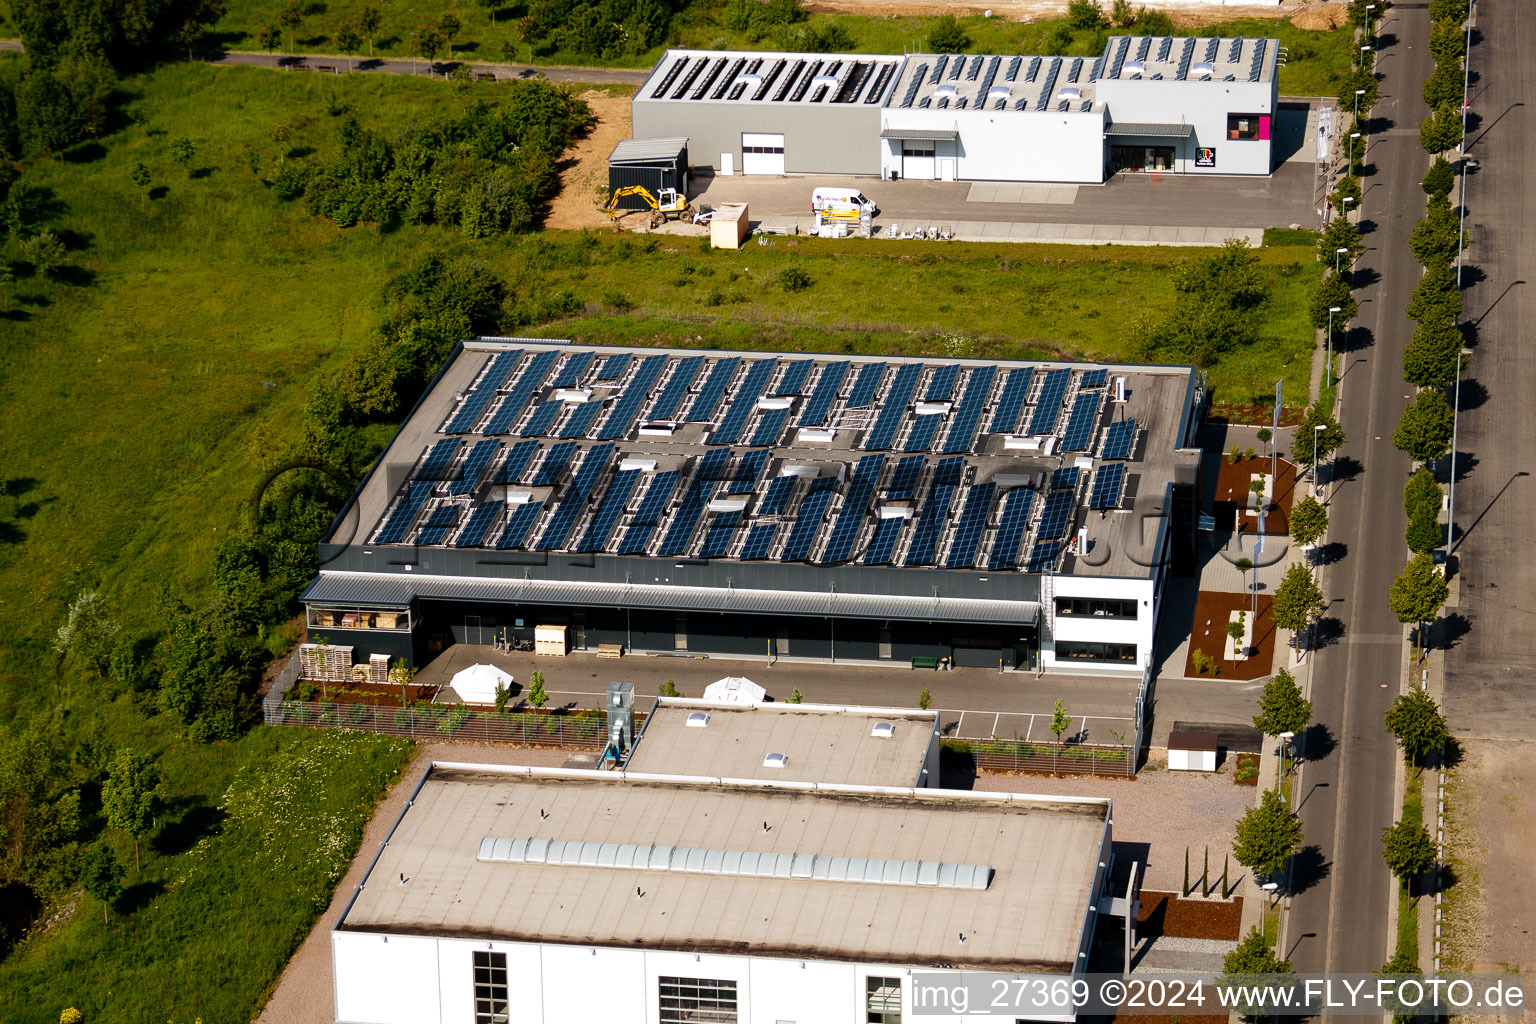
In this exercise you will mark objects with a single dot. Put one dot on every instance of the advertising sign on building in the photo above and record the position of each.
(1205, 156)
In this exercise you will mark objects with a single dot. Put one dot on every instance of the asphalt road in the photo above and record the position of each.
(1488, 672)
(1339, 917)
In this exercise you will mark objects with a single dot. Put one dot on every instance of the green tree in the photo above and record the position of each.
(1422, 494)
(925, 699)
(1442, 89)
(785, 12)
(269, 37)
(1282, 708)
(1441, 130)
(139, 175)
(1437, 297)
(1401, 965)
(946, 35)
(102, 876)
(1253, 955)
(796, 698)
(1347, 188)
(1061, 719)
(426, 43)
(1424, 532)
(1267, 835)
(1123, 14)
(448, 26)
(1309, 521)
(1244, 566)
(47, 120)
(1408, 849)
(1440, 178)
(1436, 238)
(130, 796)
(1297, 601)
(89, 633)
(490, 7)
(1432, 358)
(1153, 23)
(502, 696)
(184, 151)
(1085, 14)
(1415, 721)
(1359, 78)
(290, 18)
(368, 20)
(1340, 233)
(538, 698)
(1331, 292)
(401, 674)
(1237, 627)
(1454, 11)
(1424, 432)
(1417, 595)
(1310, 445)
(350, 40)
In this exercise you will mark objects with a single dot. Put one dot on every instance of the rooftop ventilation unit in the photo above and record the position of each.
(573, 395)
(883, 730)
(635, 462)
(775, 760)
(1133, 67)
(698, 720)
(1071, 92)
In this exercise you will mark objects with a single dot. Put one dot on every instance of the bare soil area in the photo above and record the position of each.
(1167, 913)
(1185, 13)
(585, 168)
(1213, 610)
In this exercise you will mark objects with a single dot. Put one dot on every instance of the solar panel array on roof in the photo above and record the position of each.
(1163, 47)
(987, 79)
(1256, 69)
(1143, 48)
(715, 67)
(877, 90)
(542, 419)
(942, 384)
(622, 417)
(938, 70)
(1234, 51)
(580, 420)
(1013, 69)
(1056, 520)
(894, 409)
(475, 462)
(443, 515)
(770, 427)
(792, 381)
(789, 81)
(1034, 69)
(819, 406)
(557, 460)
(972, 524)
(767, 83)
(904, 478)
(749, 467)
(1048, 405)
(648, 513)
(850, 516)
(913, 86)
(1119, 439)
(481, 519)
(854, 83)
(695, 498)
(797, 548)
(519, 522)
(719, 534)
(439, 457)
(516, 463)
(615, 498)
(399, 521)
(574, 369)
(1118, 60)
(1093, 379)
(477, 401)
(1064, 477)
(1076, 70)
(1085, 415)
(744, 402)
(613, 367)
(1005, 418)
(955, 69)
(528, 383)
(1050, 83)
(432, 535)
(676, 389)
(1012, 525)
(920, 437)
(1098, 69)
(935, 513)
(805, 81)
(728, 78)
(776, 496)
(759, 542)
(713, 391)
(1185, 58)
(1107, 483)
(1044, 557)
(882, 544)
(967, 414)
(865, 385)
(1211, 46)
(671, 76)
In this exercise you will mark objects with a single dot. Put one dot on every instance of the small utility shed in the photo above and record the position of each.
(654, 163)
(1192, 751)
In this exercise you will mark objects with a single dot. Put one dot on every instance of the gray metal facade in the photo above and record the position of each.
(817, 139)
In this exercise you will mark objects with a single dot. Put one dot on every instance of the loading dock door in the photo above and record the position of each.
(762, 154)
(917, 160)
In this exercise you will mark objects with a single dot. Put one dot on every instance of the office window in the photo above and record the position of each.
(1242, 126)
(696, 1001)
(882, 1000)
(490, 988)
(1095, 608)
(1077, 650)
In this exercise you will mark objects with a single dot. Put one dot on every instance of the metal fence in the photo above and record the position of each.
(1045, 758)
(286, 678)
(446, 722)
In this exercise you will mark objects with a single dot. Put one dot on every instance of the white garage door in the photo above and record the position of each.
(762, 154)
(917, 160)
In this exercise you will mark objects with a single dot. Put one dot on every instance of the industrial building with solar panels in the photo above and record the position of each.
(1004, 515)
(1190, 105)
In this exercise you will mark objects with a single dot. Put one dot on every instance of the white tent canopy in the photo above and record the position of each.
(735, 690)
(477, 684)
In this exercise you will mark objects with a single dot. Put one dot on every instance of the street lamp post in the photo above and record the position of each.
(1450, 526)
(1348, 199)
(1358, 94)
(1370, 22)
(1317, 430)
(1340, 251)
(1285, 741)
(1328, 372)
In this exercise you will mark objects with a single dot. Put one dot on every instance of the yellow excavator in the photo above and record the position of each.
(664, 203)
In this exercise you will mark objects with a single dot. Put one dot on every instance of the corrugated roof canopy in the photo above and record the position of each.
(642, 151)
(921, 134)
(388, 590)
(1139, 128)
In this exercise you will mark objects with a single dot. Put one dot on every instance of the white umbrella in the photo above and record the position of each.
(477, 684)
(735, 690)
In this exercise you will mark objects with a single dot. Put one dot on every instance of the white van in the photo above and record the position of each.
(831, 200)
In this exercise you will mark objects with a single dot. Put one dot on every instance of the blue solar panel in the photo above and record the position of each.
(1107, 483)
(573, 502)
(744, 402)
(1045, 556)
(1012, 525)
(580, 420)
(542, 419)
(1055, 521)
(775, 497)
(1048, 405)
(948, 471)
(432, 535)
(439, 457)
(710, 395)
(967, 417)
(613, 367)
(717, 538)
(517, 461)
(475, 462)
(930, 525)
(942, 384)
(519, 521)
(759, 542)
(883, 544)
(574, 369)
(850, 517)
(1085, 415)
(671, 397)
(480, 399)
(973, 523)
(557, 461)
(521, 392)
(904, 478)
(398, 522)
(480, 522)
(894, 409)
(444, 515)
(627, 407)
(920, 437)
(748, 468)
(819, 406)
(608, 513)
(793, 381)
(1094, 379)
(865, 385)
(686, 518)
(1005, 418)
(643, 523)
(1119, 439)
(807, 525)
(1065, 476)
(770, 427)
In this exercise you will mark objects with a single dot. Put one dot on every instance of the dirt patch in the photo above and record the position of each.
(1322, 18)
(1184, 13)
(585, 167)
(1213, 610)
(1232, 495)
(1166, 913)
